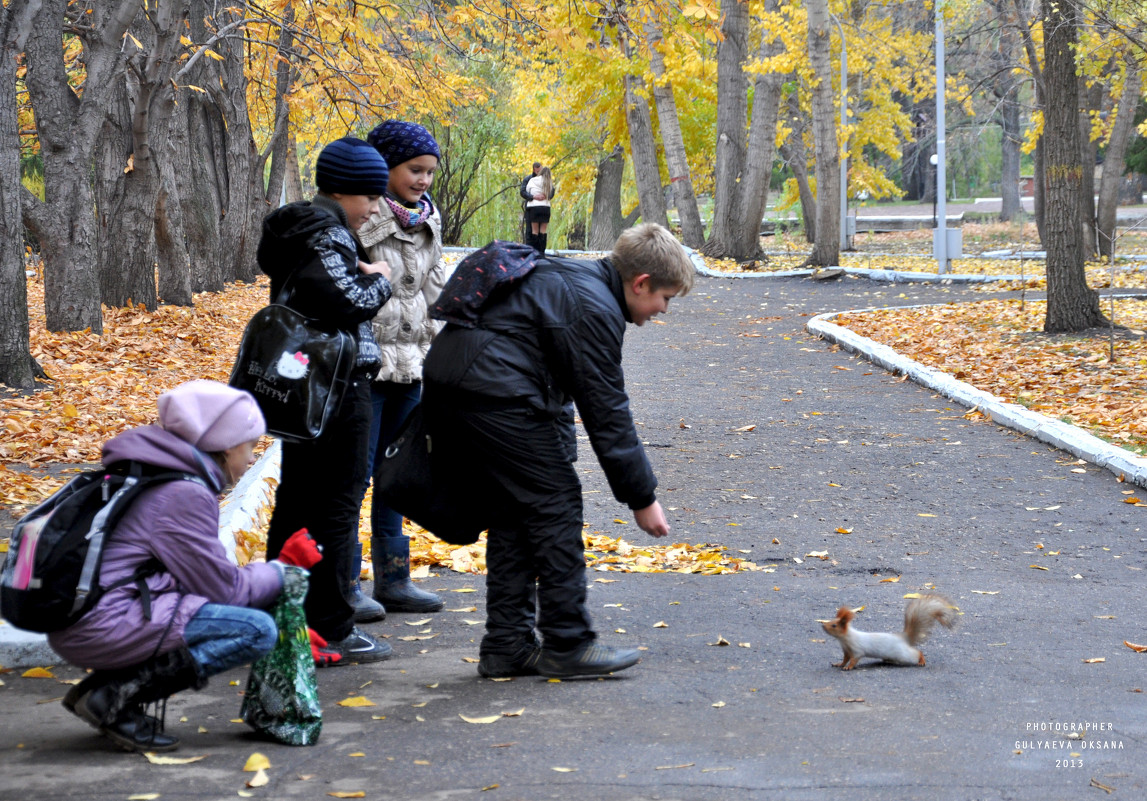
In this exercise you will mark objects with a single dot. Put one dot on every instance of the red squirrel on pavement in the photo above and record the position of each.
(900, 649)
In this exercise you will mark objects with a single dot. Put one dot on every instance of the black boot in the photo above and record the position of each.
(366, 609)
(115, 706)
(392, 585)
(543, 240)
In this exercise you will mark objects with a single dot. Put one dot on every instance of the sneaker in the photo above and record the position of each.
(358, 646)
(500, 666)
(590, 659)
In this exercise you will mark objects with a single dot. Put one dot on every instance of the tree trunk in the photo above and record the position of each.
(1006, 88)
(1038, 154)
(732, 115)
(1121, 131)
(1010, 144)
(112, 162)
(758, 170)
(292, 180)
(1092, 98)
(244, 195)
(201, 196)
(68, 127)
(17, 369)
(796, 156)
(606, 223)
(826, 249)
(1071, 305)
(643, 149)
(171, 253)
(692, 230)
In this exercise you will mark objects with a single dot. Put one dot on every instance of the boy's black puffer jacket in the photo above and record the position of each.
(555, 337)
(310, 244)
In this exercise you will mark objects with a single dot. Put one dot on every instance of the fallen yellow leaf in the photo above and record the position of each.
(487, 719)
(158, 759)
(1136, 648)
(259, 779)
(564, 770)
(514, 714)
(661, 624)
(347, 794)
(143, 797)
(37, 673)
(1093, 661)
(358, 700)
(720, 641)
(422, 622)
(890, 580)
(1038, 567)
(256, 762)
(719, 704)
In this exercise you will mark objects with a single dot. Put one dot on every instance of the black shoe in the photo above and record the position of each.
(92, 681)
(358, 646)
(500, 666)
(366, 609)
(590, 659)
(131, 730)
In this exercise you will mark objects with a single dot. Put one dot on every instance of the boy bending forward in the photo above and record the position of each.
(495, 396)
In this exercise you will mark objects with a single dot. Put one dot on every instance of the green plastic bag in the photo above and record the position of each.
(282, 698)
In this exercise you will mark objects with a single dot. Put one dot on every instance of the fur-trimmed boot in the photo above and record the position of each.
(115, 706)
(392, 585)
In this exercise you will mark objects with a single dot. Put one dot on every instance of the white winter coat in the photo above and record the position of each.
(403, 328)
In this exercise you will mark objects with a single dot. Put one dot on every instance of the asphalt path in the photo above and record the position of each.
(771, 442)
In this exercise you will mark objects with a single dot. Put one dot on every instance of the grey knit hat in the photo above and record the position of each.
(350, 166)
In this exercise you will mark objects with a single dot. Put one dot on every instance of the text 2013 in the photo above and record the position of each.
(1069, 763)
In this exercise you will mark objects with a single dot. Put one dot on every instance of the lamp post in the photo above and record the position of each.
(940, 231)
(843, 124)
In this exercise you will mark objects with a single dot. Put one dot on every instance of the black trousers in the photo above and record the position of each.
(320, 488)
(535, 554)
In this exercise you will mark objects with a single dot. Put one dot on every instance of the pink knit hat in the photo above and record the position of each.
(211, 416)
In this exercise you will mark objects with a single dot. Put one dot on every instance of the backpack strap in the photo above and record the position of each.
(104, 522)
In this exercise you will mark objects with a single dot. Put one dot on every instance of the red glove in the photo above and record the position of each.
(322, 655)
(300, 549)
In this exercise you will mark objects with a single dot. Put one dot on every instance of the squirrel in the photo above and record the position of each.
(900, 649)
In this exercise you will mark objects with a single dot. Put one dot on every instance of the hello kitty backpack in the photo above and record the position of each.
(297, 370)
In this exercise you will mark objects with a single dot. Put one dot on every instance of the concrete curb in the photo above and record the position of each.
(239, 511)
(1031, 424)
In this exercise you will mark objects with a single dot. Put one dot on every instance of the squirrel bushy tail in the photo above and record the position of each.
(924, 612)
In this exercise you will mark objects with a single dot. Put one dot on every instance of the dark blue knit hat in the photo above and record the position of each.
(400, 141)
(350, 166)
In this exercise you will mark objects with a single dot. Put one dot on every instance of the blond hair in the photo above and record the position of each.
(650, 249)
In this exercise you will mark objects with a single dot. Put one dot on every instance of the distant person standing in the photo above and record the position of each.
(523, 191)
(540, 189)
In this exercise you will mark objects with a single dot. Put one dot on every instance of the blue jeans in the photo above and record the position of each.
(391, 403)
(222, 637)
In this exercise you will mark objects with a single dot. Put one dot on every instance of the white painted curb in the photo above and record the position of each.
(1031, 424)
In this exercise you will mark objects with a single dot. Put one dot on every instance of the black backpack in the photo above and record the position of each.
(51, 576)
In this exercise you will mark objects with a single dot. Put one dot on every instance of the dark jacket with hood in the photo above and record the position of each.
(309, 243)
(176, 523)
(554, 337)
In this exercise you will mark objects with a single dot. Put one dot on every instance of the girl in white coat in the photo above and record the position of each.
(407, 235)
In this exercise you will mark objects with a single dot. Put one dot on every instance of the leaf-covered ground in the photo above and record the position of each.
(104, 384)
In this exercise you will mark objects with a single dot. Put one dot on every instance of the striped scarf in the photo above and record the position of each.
(408, 218)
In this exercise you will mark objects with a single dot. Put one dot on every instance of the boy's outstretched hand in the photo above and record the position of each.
(652, 520)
